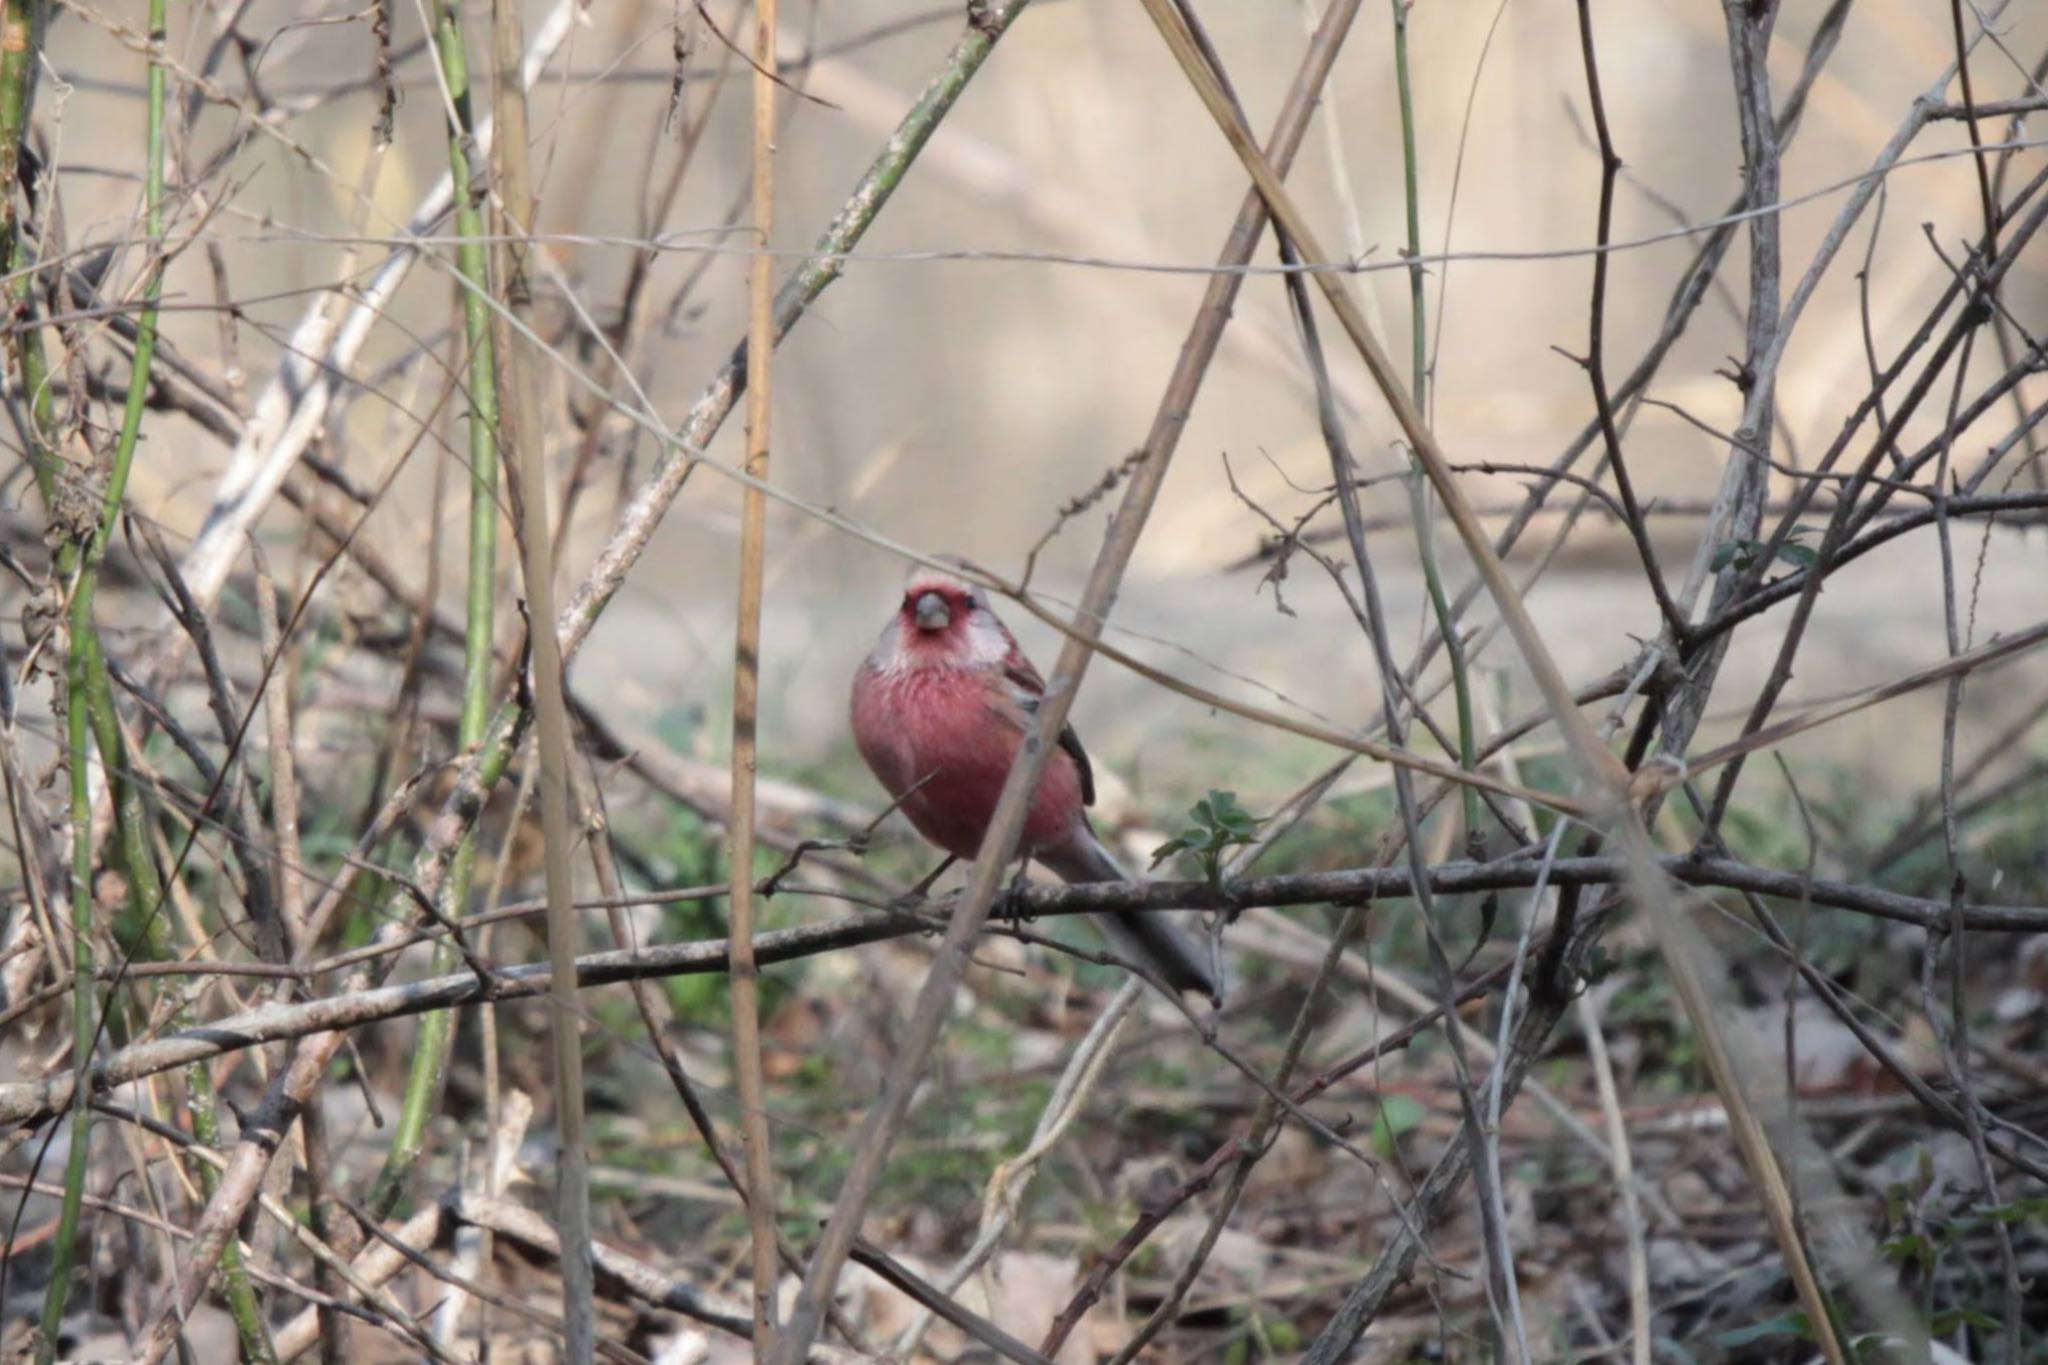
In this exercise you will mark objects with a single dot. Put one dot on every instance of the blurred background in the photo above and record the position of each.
(970, 375)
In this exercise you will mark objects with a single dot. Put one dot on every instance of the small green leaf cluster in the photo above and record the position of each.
(1216, 824)
(1743, 554)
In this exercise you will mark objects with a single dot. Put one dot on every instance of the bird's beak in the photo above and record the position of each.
(932, 612)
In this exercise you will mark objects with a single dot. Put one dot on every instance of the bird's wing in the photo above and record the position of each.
(1027, 689)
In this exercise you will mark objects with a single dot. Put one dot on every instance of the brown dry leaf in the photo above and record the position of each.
(1030, 1289)
(1294, 1164)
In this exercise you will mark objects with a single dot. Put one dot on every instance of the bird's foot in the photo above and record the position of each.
(1012, 906)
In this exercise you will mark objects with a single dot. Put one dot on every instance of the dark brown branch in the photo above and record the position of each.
(35, 1100)
(1595, 361)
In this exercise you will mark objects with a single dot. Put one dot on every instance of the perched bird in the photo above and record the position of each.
(939, 712)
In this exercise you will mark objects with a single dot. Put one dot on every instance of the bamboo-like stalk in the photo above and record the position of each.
(746, 697)
(564, 927)
(437, 1032)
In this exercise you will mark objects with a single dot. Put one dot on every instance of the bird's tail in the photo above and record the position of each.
(1145, 938)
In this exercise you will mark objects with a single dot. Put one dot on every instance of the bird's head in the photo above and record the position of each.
(945, 620)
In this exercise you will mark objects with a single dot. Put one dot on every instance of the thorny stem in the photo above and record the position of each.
(91, 720)
(65, 1251)
(1596, 343)
(430, 1059)
(146, 930)
(19, 43)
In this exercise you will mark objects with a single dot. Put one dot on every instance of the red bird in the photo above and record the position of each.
(939, 712)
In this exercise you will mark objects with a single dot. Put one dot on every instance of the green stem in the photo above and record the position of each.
(437, 1031)
(89, 705)
(148, 938)
(64, 1253)
(19, 44)
(1418, 485)
(243, 1305)
(89, 702)
(152, 290)
(1418, 312)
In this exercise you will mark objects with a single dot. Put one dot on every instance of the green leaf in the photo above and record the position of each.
(1948, 1319)
(1401, 1113)
(1222, 814)
(2018, 1211)
(1167, 850)
(1805, 556)
(1398, 1114)
(1724, 554)
(1909, 1246)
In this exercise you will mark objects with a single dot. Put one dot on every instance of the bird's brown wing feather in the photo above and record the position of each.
(1029, 689)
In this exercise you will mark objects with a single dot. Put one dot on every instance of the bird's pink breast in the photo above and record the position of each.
(934, 730)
